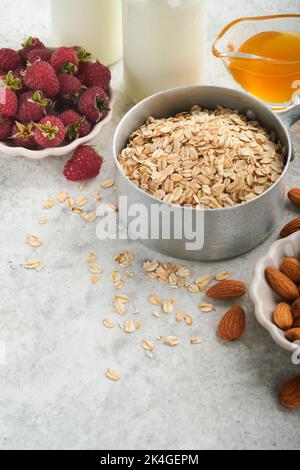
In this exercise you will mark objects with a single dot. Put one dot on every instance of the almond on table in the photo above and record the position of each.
(291, 227)
(227, 289)
(233, 324)
(294, 196)
(289, 396)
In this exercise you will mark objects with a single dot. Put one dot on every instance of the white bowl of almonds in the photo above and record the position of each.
(275, 292)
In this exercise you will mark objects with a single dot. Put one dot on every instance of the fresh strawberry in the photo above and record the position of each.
(65, 60)
(86, 163)
(29, 45)
(9, 59)
(49, 132)
(76, 125)
(41, 76)
(70, 88)
(97, 74)
(6, 125)
(94, 104)
(23, 135)
(8, 101)
(40, 54)
(32, 106)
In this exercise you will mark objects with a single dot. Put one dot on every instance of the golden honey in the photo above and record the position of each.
(274, 75)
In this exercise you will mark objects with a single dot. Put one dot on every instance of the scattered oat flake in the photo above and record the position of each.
(156, 314)
(122, 298)
(129, 326)
(119, 308)
(62, 197)
(150, 266)
(33, 241)
(113, 375)
(206, 308)
(147, 345)
(189, 320)
(49, 204)
(94, 279)
(108, 323)
(95, 270)
(221, 276)
(172, 341)
(34, 265)
(119, 284)
(115, 276)
(91, 258)
(76, 210)
(106, 184)
(82, 201)
(69, 203)
(180, 315)
(195, 341)
(129, 274)
(138, 324)
(203, 281)
(154, 300)
(125, 259)
(42, 221)
(168, 306)
(89, 217)
(112, 207)
(193, 288)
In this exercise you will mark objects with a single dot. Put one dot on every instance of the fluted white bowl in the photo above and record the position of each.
(62, 150)
(263, 297)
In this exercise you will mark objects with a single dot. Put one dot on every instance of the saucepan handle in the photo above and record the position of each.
(291, 116)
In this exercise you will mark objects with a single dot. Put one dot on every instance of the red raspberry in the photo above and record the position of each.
(23, 135)
(6, 125)
(70, 88)
(29, 45)
(94, 104)
(65, 60)
(97, 74)
(41, 76)
(82, 54)
(76, 125)
(32, 106)
(18, 73)
(86, 163)
(8, 101)
(49, 132)
(9, 59)
(39, 54)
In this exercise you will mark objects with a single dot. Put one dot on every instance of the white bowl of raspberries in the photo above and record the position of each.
(52, 101)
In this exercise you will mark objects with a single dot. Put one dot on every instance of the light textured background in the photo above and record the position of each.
(53, 393)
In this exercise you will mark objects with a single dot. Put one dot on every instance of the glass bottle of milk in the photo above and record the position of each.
(95, 25)
(164, 44)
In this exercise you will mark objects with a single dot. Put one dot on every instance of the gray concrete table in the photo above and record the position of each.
(53, 393)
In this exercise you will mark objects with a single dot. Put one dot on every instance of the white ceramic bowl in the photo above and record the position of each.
(64, 149)
(262, 295)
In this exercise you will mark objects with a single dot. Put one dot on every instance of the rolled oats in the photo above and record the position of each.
(207, 159)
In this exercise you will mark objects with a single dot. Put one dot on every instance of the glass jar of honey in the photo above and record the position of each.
(263, 56)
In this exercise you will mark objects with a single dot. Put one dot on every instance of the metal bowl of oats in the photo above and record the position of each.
(213, 157)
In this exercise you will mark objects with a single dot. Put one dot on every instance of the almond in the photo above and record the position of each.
(296, 309)
(233, 324)
(294, 196)
(289, 396)
(281, 284)
(292, 227)
(293, 334)
(227, 289)
(283, 317)
(291, 268)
